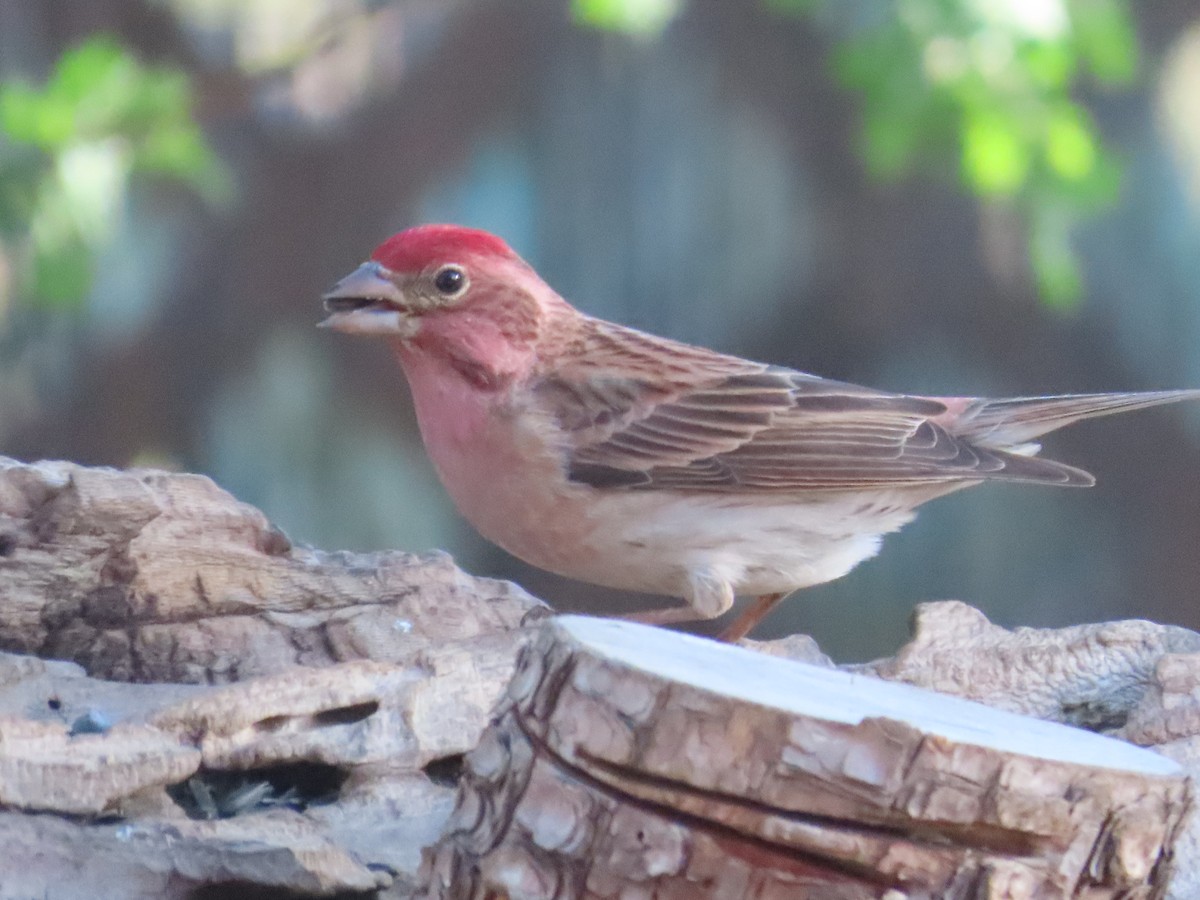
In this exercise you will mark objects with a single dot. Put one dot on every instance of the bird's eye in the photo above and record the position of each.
(450, 281)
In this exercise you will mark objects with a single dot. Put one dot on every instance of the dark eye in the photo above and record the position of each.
(450, 280)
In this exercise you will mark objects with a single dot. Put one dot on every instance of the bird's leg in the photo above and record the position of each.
(710, 597)
(672, 615)
(749, 618)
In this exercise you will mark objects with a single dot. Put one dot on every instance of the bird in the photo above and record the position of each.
(612, 456)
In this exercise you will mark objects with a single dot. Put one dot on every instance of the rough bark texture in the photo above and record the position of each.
(253, 715)
(315, 754)
(151, 576)
(1092, 676)
(313, 780)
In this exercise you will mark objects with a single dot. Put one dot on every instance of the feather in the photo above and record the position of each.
(716, 423)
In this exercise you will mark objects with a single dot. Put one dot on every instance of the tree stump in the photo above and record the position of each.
(632, 762)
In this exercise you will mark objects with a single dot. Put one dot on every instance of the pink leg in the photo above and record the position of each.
(748, 620)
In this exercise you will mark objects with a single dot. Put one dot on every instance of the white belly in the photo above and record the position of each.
(659, 542)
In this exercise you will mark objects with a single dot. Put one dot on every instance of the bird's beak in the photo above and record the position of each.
(368, 301)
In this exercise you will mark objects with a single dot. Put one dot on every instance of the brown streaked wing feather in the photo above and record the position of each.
(769, 430)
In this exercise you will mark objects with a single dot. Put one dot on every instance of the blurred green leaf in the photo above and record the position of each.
(32, 118)
(1105, 38)
(993, 78)
(995, 155)
(72, 147)
(644, 17)
(986, 82)
(89, 68)
(1050, 64)
(1070, 143)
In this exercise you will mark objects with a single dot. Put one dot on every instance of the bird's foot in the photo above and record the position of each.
(745, 622)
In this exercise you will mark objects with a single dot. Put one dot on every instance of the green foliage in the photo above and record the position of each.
(983, 88)
(988, 84)
(70, 149)
(645, 17)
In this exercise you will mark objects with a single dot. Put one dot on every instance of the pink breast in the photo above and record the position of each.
(502, 476)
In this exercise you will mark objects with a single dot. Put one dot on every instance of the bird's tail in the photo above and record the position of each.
(1013, 424)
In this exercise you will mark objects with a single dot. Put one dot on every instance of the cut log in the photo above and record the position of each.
(628, 761)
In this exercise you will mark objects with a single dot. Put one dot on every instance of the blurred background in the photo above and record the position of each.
(946, 196)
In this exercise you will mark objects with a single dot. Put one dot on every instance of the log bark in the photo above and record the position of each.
(297, 715)
(1092, 676)
(313, 781)
(151, 576)
(238, 714)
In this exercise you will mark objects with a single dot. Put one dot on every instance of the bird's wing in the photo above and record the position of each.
(770, 430)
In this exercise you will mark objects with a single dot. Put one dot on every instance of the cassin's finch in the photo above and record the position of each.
(616, 457)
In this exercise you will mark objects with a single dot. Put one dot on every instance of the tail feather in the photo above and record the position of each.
(1007, 424)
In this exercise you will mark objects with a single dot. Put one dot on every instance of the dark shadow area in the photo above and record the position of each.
(215, 794)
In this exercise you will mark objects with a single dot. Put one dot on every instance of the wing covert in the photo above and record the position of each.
(769, 430)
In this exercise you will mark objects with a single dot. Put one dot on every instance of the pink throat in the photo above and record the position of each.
(451, 409)
(470, 445)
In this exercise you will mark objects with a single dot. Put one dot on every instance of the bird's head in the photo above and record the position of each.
(438, 279)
